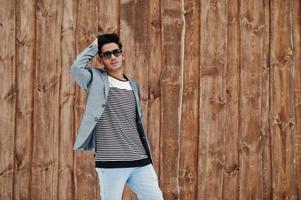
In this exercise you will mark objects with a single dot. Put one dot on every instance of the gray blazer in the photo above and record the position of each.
(95, 82)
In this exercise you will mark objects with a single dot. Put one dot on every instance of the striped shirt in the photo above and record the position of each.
(117, 137)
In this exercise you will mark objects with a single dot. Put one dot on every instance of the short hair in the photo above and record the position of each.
(108, 38)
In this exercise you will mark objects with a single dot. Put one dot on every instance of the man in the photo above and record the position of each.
(112, 125)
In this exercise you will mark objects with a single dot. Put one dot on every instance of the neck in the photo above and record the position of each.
(117, 74)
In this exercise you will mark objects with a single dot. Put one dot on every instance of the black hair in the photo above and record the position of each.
(107, 38)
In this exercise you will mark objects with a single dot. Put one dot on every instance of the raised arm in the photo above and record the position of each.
(81, 72)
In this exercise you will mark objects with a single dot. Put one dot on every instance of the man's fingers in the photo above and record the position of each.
(95, 42)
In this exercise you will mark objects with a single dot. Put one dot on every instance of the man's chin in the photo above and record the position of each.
(114, 68)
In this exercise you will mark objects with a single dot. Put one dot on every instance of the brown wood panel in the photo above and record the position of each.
(230, 132)
(154, 89)
(265, 134)
(8, 89)
(282, 101)
(66, 102)
(296, 24)
(213, 99)
(188, 167)
(46, 96)
(252, 58)
(108, 14)
(25, 62)
(173, 30)
(84, 167)
(265, 107)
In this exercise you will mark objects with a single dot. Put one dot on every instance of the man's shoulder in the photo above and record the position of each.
(99, 72)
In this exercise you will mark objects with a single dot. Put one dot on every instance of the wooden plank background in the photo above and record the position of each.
(221, 95)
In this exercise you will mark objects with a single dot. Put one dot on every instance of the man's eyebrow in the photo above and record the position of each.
(112, 49)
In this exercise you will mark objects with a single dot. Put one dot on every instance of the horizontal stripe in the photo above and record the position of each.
(117, 137)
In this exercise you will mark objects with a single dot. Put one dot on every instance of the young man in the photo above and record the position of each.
(112, 125)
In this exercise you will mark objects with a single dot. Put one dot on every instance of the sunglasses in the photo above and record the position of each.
(108, 54)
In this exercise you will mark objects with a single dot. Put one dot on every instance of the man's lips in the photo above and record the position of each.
(114, 63)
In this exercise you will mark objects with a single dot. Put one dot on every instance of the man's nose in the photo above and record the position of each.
(113, 56)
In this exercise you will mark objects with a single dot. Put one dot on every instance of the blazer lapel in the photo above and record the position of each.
(135, 90)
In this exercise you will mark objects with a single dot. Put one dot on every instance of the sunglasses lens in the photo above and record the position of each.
(117, 52)
(106, 55)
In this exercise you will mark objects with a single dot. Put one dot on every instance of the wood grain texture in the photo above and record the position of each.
(265, 104)
(188, 168)
(25, 62)
(44, 169)
(8, 92)
(154, 92)
(252, 105)
(108, 19)
(296, 23)
(66, 102)
(220, 84)
(86, 183)
(282, 101)
(173, 31)
(230, 131)
(213, 98)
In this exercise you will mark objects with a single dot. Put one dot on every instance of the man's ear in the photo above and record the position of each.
(123, 55)
(100, 60)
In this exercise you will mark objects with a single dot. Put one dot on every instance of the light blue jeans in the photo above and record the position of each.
(142, 180)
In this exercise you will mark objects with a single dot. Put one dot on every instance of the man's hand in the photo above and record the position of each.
(95, 42)
(98, 58)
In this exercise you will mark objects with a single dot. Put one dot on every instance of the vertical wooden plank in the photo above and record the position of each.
(134, 32)
(213, 99)
(66, 103)
(8, 90)
(46, 97)
(231, 134)
(84, 169)
(265, 133)
(173, 35)
(282, 101)
(108, 16)
(25, 38)
(190, 106)
(252, 98)
(154, 93)
(296, 23)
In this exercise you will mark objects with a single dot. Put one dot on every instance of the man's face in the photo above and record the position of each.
(111, 62)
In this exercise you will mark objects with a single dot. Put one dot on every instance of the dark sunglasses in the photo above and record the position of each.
(108, 54)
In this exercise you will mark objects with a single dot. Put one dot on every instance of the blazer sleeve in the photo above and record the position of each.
(81, 72)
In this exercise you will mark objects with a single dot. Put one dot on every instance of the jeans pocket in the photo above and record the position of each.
(100, 171)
